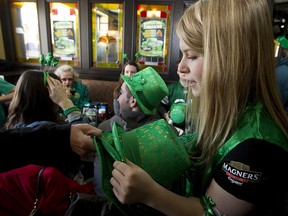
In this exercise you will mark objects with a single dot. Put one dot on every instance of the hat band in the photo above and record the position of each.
(131, 148)
(144, 101)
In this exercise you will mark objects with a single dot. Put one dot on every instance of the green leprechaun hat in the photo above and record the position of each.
(148, 88)
(155, 147)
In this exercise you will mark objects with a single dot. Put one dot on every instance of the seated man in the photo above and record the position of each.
(140, 95)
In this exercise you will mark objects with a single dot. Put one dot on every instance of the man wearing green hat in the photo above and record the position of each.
(140, 95)
(282, 70)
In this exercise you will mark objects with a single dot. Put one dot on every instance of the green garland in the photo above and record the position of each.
(208, 205)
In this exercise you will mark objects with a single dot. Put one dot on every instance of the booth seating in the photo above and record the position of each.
(101, 91)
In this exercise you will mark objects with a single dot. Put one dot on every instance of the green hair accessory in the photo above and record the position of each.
(41, 59)
(137, 55)
(45, 74)
(54, 62)
(125, 57)
(48, 60)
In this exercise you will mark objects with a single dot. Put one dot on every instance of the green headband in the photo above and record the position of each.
(46, 74)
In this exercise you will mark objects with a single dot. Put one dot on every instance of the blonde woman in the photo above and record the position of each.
(241, 140)
(76, 91)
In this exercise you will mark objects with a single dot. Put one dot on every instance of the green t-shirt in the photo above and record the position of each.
(176, 91)
(5, 88)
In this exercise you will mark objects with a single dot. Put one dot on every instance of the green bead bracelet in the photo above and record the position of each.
(208, 205)
(69, 110)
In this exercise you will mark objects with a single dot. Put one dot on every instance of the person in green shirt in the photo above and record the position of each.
(76, 91)
(6, 94)
(176, 97)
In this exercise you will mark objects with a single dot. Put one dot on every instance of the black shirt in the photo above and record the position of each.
(255, 171)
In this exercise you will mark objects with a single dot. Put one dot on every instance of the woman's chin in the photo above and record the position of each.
(195, 91)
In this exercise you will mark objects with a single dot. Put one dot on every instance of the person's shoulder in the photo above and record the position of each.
(79, 83)
(6, 88)
(105, 125)
(283, 63)
(256, 147)
(5, 83)
(282, 72)
(80, 86)
(172, 84)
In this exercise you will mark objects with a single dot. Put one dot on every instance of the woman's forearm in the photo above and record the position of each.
(172, 204)
(8, 97)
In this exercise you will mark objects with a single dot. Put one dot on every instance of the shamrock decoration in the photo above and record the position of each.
(41, 59)
(48, 60)
(125, 57)
(54, 62)
(137, 55)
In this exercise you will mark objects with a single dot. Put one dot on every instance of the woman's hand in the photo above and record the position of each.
(167, 118)
(131, 184)
(57, 93)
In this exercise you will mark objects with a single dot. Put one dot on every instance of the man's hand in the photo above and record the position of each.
(81, 139)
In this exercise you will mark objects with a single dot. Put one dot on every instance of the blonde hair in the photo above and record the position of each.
(236, 39)
(66, 69)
